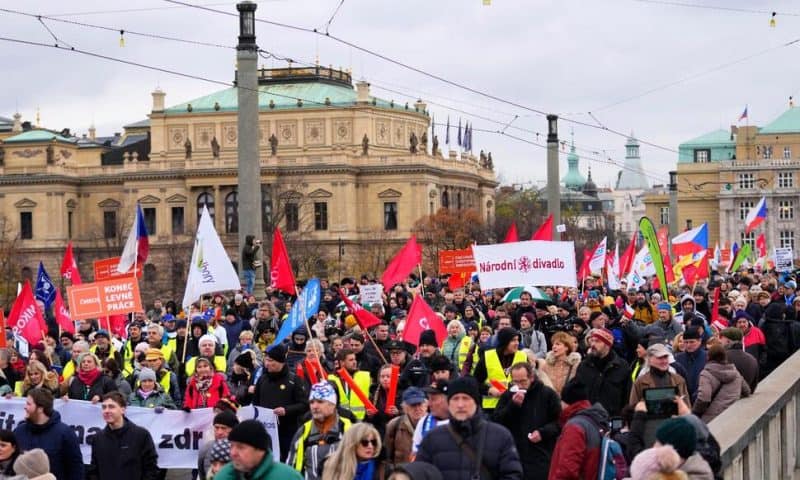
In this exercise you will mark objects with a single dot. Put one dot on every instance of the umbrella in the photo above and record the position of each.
(536, 294)
(353, 298)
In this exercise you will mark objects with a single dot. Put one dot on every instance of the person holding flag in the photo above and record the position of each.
(348, 398)
(493, 371)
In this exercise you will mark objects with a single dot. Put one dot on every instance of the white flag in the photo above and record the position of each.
(211, 269)
(598, 257)
(612, 270)
(642, 267)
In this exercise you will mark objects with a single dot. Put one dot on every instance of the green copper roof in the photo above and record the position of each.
(573, 179)
(283, 96)
(716, 138)
(38, 136)
(788, 122)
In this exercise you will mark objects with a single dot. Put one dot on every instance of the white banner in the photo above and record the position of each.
(642, 267)
(176, 434)
(371, 293)
(534, 262)
(784, 259)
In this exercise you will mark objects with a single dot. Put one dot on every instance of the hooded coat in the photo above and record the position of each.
(720, 386)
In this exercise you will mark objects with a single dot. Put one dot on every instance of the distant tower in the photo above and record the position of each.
(589, 188)
(632, 176)
(573, 179)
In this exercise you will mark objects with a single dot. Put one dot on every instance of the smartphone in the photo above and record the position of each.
(616, 424)
(660, 402)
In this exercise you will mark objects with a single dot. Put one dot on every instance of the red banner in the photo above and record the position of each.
(62, 315)
(456, 261)
(101, 299)
(25, 317)
(106, 269)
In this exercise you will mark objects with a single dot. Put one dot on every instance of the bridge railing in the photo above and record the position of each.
(758, 436)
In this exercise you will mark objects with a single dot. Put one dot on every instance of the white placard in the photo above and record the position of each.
(534, 262)
(784, 259)
(372, 293)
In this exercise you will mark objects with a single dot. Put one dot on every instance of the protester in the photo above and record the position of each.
(387, 408)
(33, 465)
(89, 383)
(692, 359)
(348, 398)
(223, 423)
(719, 387)
(206, 387)
(9, 451)
(746, 364)
(782, 336)
(604, 374)
(149, 394)
(439, 414)
(658, 374)
(679, 433)
(399, 439)
(357, 455)
(561, 363)
(38, 376)
(494, 366)
(251, 456)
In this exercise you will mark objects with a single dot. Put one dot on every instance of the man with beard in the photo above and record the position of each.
(642, 309)
(605, 375)
(346, 359)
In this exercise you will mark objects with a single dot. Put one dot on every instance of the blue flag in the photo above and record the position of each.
(459, 132)
(45, 289)
(307, 303)
(447, 133)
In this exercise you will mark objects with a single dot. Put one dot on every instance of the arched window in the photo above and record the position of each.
(205, 199)
(445, 199)
(458, 200)
(232, 212)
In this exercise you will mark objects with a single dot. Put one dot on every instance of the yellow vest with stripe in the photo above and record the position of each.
(219, 364)
(301, 442)
(495, 371)
(351, 401)
(164, 382)
(68, 371)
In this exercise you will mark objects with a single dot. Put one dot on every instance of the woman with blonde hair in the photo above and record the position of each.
(38, 376)
(561, 362)
(356, 458)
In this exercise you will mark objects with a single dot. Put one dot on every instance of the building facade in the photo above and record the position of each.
(345, 175)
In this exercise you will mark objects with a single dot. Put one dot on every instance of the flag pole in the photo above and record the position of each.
(421, 282)
(377, 349)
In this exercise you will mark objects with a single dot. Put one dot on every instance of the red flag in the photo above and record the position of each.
(25, 318)
(702, 266)
(62, 314)
(456, 280)
(626, 260)
(545, 232)
(585, 271)
(280, 269)
(69, 268)
(511, 235)
(117, 324)
(690, 274)
(421, 318)
(365, 319)
(663, 244)
(761, 245)
(715, 306)
(402, 264)
(3, 343)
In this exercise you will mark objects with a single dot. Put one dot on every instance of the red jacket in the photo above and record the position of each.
(577, 456)
(194, 399)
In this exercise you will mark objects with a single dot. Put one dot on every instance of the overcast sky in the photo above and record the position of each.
(564, 56)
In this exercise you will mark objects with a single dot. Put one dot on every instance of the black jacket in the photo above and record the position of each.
(77, 390)
(746, 364)
(127, 453)
(783, 339)
(539, 411)
(283, 389)
(500, 456)
(608, 381)
(58, 440)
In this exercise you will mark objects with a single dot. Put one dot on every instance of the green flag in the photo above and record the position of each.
(651, 240)
(744, 254)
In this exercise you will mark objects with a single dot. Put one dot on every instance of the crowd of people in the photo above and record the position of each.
(558, 387)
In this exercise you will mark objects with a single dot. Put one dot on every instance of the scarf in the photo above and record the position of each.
(88, 378)
(365, 470)
(203, 384)
(144, 394)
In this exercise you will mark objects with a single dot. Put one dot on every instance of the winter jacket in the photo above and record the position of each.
(696, 468)
(559, 372)
(77, 390)
(534, 340)
(310, 447)
(398, 441)
(577, 452)
(238, 384)
(156, 399)
(500, 456)
(782, 339)
(693, 363)
(540, 410)
(657, 331)
(58, 440)
(652, 380)
(283, 389)
(218, 390)
(644, 313)
(127, 453)
(608, 380)
(755, 344)
(720, 386)
(746, 364)
(268, 469)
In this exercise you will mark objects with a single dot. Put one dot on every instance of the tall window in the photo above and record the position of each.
(69, 225)
(110, 224)
(702, 156)
(744, 208)
(177, 221)
(748, 238)
(232, 212)
(26, 225)
(787, 152)
(150, 220)
(320, 216)
(292, 213)
(205, 199)
(786, 238)
(458, 200)
(786, 210)
(766, 152)
(664, 216)
(689, 224)
(445, 199)
(785, 179)
(390, 215)
(746, 181)
(266, 208)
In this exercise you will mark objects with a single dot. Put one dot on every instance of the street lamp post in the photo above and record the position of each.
(673, 204)
(553, 188)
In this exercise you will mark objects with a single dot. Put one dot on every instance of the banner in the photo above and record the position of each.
(642, 267)
(784, 259)
(100, 299)
(176, 434)
(456, 261)
(534, 262)
(371, 293)
(651, 240)
(106, 269)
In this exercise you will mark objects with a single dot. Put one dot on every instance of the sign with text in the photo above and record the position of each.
(371, 293)
(535, 262)
(106, 269)
(100, 299)
(456, 261)
(784, 259)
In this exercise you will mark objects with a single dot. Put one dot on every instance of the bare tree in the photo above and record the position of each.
(11, 261)
(449, 229)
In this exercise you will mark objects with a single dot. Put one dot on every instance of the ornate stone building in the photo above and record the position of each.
(344, 174)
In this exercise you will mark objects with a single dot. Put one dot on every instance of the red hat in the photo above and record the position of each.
(604, 335)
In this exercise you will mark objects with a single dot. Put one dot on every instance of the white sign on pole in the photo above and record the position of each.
(784, 259)
(372, 293)
(534, 262)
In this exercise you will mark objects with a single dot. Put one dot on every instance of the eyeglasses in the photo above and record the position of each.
(365, 443)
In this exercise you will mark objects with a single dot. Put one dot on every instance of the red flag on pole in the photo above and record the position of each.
(511, 235)
(25, 317)
(62, 314)
(690, 274)
(280, 269)
(545, 232)
(626, 260)
(69, 268)
(420, 318)
(663, 244)
(585, 270)
(402, 264)
(365, 319)
(3, 343)
(117, 323)
(702, 266)
(761, 245)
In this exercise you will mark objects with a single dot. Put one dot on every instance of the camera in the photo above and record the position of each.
(615, 424)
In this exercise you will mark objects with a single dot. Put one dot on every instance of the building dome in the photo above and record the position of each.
(589, 188)
(573, 179)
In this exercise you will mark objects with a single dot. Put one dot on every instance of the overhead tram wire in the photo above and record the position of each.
(717, 7)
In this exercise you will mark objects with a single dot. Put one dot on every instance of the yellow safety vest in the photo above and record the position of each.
(164, 382)
(301, 442)
(68, 371)
(219, 364)
(494, 371)
(352, 401)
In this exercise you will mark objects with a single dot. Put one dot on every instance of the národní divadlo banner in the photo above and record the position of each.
(176, 434)
(534, 262)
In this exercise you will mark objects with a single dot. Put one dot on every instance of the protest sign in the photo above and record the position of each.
(534, 262)
(100, 299)
(176, 434)
(371, 293)
(456, 261)
(106, 269)
(784, 259)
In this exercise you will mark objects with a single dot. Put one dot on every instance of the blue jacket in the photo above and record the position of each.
(694, 364)
(58, 440)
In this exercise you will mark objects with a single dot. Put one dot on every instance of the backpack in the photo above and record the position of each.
(612, 464)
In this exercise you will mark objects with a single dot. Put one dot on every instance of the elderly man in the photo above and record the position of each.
(103, 348)
(207, 346)
(658, 374)
(399, 438)
(251, 456)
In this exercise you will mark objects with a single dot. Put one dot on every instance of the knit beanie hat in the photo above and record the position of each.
(467, 385)
(227, 418)
(32, 463)
(440, 362)
(657, 462)
(679, 433)
(322, 391)
(245, 360)
(504, 337)
(253, 433)
(732, 333)
(604, 335)
(428, 337)
(221, 451)
(277, 353)
(154, 354)
(664, 306)
(574, 391)
(147, 374)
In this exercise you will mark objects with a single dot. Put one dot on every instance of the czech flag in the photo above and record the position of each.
(691, 241)
(137, 246)
(756, 215)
